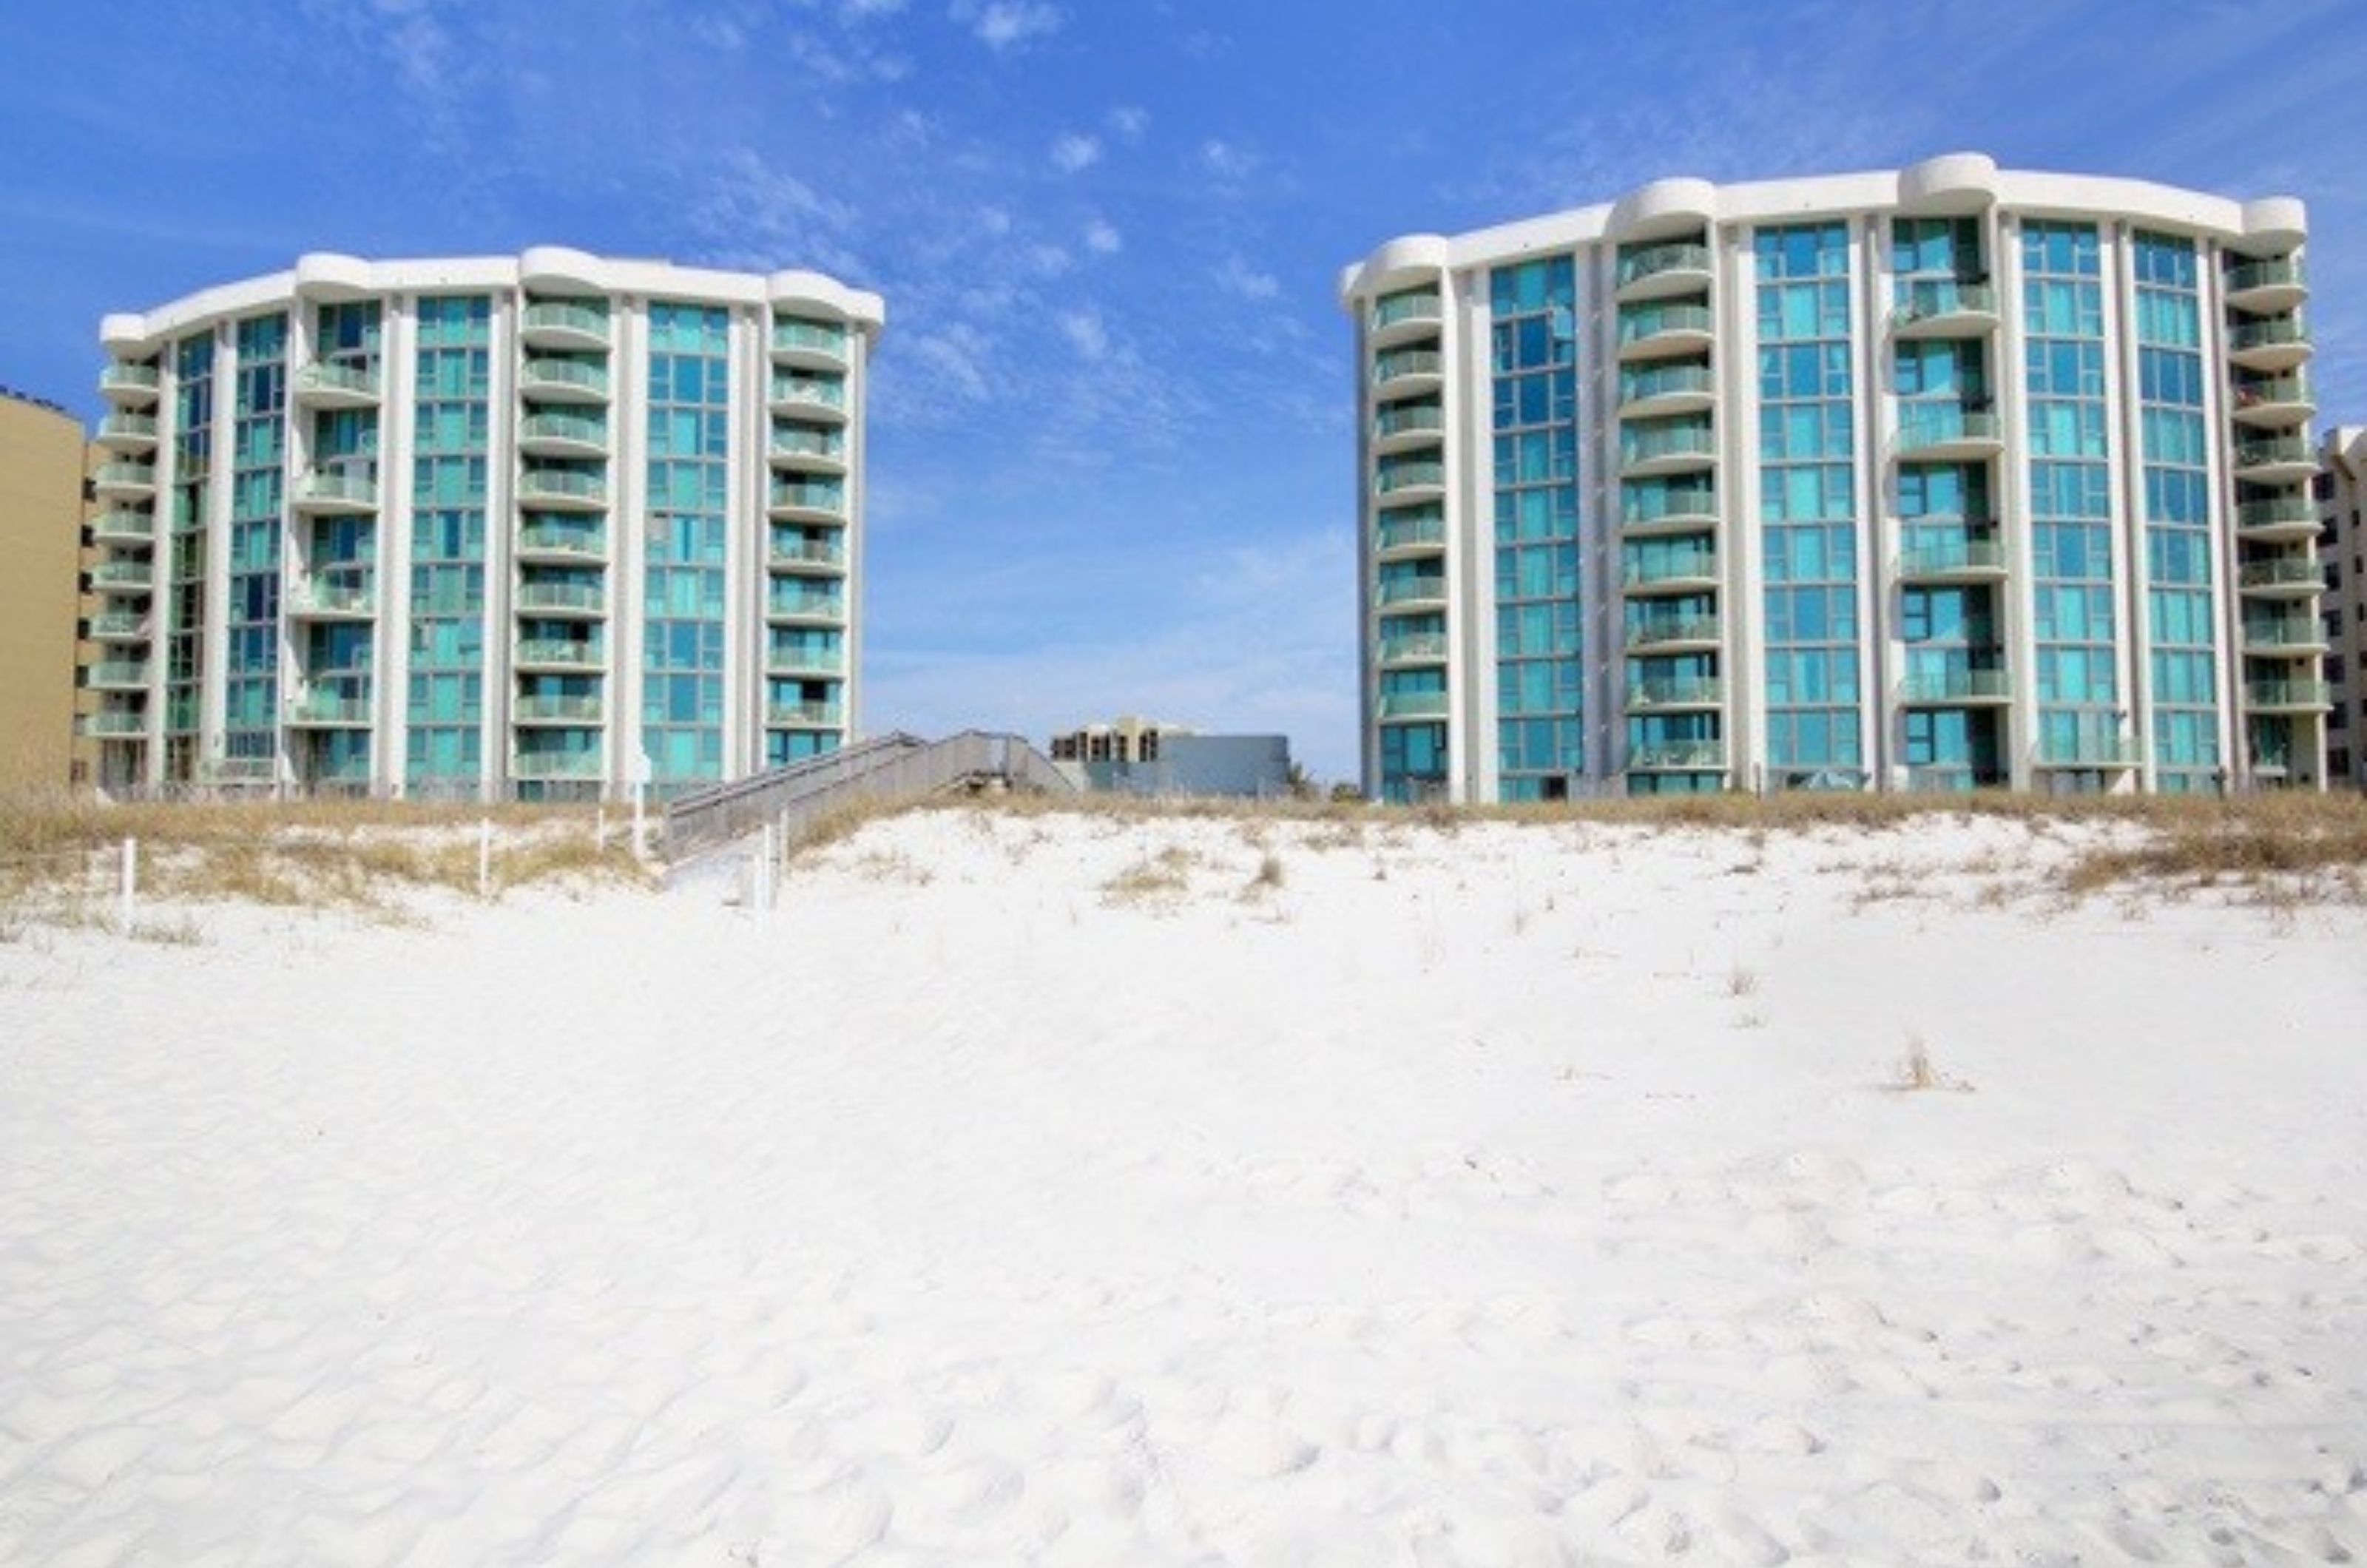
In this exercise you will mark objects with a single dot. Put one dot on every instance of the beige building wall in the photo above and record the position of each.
(42, 466)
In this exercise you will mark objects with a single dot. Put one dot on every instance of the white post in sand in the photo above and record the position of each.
(767, 890)
(129, 882)
(484, 857)
(642, 769)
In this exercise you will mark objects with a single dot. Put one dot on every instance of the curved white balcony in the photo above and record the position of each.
(1675, 694)
(1403, 317)
(2267, 287)
(119, 432)
(1660, 271)
(1399, 427)
(2302, 695)
(113, 723)
(1404, 707)
(335, 384)
(328, 710)
(2272, 343)
(1680, 509)
(124, 577)
(555, 764)
(2283, 636)
(1412, 593)
(806, 558)
(119, 626)
(2280, 460)
(1399, 538)
(553, 435)
(1674, 633)
(335, 490)
(124, 528)
(569, 709)
(2271, 403)
(125, 479)
(1943, 308)
(559, 542)
(1654, 389)
(803, 501)
(1955, 688)
(119, 676)
(562, 489)
(1403, 370)
(810, 397)
(1677, 756)
(333, 593)
(804, 715)
(1403, 483)
(815, 345)
(804, 607)
(1671, 571)
(2287, 577)
(1929, 554)
(558, 653)
(130, 385)
(1676, 449)
(809, 450)
(564, 324)
(562, 601)
(1664, 332)
(1947, 432)
(1415, 647)
(805, 663)
(564, 381)
(2279, 519)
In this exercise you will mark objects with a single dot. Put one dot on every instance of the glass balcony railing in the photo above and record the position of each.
(1657, 630)
(1923, 554)
(566, 374)
(1409, 418)
(129, 379)
(335, 376)
(578, 428)
(1673, 380)
(562, 485)
(804, 715)
(551, 538)
(1692, 691)
(2305, 693)
(1642, 326)
(559, 651)
(1954, 684)
(1678, 754)
(1926, 299)
(809, 605)
(1402, 362)
(1404, 589)
(1673, 566)
(1420, 648)
(1414, 532)
(809, 337)
(830, 498)
(1638, 265)
(2280, 512)
(568, 708)
(1394, 476)
(1399, 307)
(1414, 705)
(575, 596)
(806, 552)
(560, 316)
(1923, 427)
(2293, 572)
(809, 389)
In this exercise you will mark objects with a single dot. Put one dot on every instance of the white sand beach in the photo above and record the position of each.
(1103, 1190)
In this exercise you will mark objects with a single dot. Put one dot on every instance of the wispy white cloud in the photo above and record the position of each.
(1228, 160)
(1128, 122)
(1103, 239)
(1085, 333)
(1073, 152)
(1004, 24)
(1236, 276)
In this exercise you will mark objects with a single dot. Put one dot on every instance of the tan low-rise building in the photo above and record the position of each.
(41, 466)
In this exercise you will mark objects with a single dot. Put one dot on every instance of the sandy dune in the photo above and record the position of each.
(1049, 1188)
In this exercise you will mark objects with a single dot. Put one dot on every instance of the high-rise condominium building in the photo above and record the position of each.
(522, 525)
(2342, 557)
(1935, 478)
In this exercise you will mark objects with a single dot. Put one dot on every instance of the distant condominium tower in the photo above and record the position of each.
(2342, 558)
(510, 527)
(1946, 476)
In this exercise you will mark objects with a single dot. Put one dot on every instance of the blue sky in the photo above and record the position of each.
(1112, 458)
